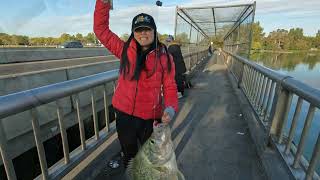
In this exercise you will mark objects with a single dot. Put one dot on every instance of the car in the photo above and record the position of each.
(71, 44)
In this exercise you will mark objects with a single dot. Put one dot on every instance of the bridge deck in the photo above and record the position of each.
(212, 139)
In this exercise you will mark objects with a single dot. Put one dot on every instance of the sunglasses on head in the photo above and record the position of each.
(140, 29)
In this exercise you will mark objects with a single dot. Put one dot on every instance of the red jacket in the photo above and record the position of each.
(140, 98)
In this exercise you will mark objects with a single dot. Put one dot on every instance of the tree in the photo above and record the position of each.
(79, 37)
(37, 41)
(91, 38)
(277, 40)
(66, 37)
(50, 41)
(162, 37)
(317, 40)
(217, 42)
(182, 38)
(297, 39)
(20, 40)
(6, 39)
(296, 33)
(257, 36)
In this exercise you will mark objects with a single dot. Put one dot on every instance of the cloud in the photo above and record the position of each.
(54, 26)
(275, 14)
(267, 6)
(25, 15)
(120, 20)
(47, 22)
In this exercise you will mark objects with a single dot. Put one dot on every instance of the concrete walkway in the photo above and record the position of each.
(211, 137)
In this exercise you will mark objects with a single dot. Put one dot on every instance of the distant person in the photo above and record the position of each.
(211, 49)
(175, 50)
(146, 71)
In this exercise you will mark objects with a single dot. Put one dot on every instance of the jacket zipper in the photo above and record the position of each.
(136, 91)
(135, 96)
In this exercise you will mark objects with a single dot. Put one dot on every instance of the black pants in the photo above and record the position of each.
(132, 133)
(180, 80)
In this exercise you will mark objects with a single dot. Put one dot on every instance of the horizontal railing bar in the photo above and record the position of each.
(308, 93)
(269, 72)
(237, 44)
(207, 7)
(25, 100)
(185, 55)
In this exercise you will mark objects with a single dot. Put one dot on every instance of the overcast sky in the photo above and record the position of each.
(53, 17)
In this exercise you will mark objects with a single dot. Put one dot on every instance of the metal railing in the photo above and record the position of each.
(192, 59)
(270, 95)
(30, 100)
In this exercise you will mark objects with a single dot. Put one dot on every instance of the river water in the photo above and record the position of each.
(306, 68)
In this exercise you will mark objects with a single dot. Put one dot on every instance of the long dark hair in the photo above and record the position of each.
(141, 57)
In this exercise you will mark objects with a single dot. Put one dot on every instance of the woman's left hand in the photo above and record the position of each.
(165, 118)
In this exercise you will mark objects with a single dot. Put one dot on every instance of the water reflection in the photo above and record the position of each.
(302, 66)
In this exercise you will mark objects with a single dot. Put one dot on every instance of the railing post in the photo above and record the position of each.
(241, 74)
(94, 114)
(106, 111)
(39, 144)
(304, 134)
(282, 106)
(314, 160)
(294, 125)
(7, 162)
(63, 131)
(271, 96)
(81, 124)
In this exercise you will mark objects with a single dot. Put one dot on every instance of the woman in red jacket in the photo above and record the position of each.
(146, 71)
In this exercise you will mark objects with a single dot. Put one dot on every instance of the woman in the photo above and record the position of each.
(146, 71)
(180, 67)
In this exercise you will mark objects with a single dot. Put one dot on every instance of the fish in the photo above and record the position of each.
(156, 159)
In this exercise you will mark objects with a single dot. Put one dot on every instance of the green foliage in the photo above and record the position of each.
(19, 40)
(91, 38)
(316, 42)
(257, 36)
(217, 42)
(182, 38)
(79, 37)
(125, 36)
(282, 39)
(162, 37)
(6, 39)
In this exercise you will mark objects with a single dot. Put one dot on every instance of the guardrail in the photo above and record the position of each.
(192, 59)
(271, 97)
(30, 100)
